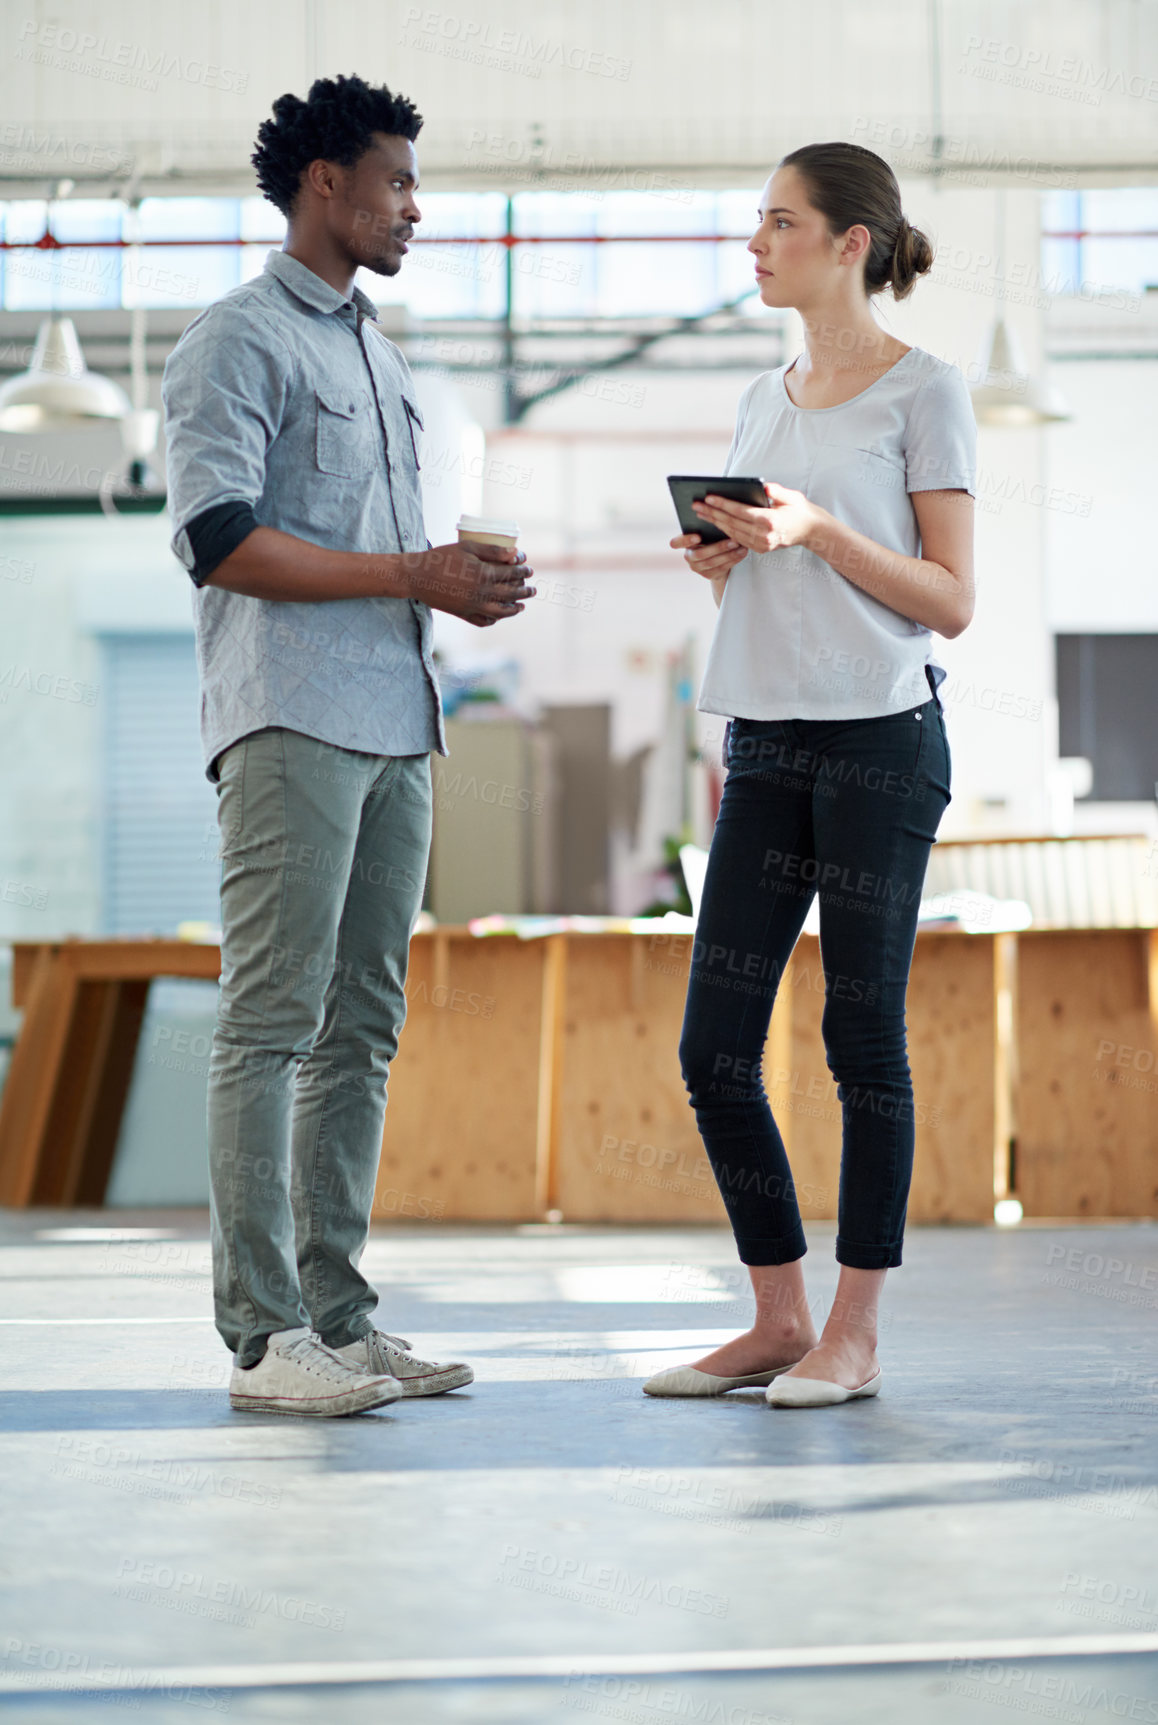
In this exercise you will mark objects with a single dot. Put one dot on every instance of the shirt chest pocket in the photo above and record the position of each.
(854, 474)
(881, 466)
(349, 442)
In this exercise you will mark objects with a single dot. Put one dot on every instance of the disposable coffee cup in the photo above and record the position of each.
(488, 530)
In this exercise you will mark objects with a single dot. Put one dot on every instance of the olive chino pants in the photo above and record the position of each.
(324, 855)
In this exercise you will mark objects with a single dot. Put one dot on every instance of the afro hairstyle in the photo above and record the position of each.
(335, 123)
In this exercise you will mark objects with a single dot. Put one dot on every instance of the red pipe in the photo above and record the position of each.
(49, 242)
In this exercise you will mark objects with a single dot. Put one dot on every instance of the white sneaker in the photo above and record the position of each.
(298, 1374)
(378, 1352)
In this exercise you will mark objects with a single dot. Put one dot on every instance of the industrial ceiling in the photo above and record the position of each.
(133, 98)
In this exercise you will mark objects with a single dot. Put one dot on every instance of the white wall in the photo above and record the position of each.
(61, 580)
(1103, 556)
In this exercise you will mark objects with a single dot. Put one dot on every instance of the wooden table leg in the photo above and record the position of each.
(35, 1074)
(84, 1123)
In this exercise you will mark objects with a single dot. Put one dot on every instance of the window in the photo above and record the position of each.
(1107, 690)
(680, 272)
(1119, 247)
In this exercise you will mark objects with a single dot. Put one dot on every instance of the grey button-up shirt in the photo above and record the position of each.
(284, 395)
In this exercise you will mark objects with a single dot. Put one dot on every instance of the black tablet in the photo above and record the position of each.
(689, 488)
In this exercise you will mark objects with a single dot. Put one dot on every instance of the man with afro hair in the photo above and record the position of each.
(292, 430)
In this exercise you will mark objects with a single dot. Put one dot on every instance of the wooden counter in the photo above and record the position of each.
(1087, 1092)
(542, 1075)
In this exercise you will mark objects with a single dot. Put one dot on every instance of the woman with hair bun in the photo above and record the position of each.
(838, 766)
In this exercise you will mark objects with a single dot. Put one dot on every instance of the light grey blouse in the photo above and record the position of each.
(793, 638)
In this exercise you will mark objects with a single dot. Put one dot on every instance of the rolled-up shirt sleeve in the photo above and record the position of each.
(224, 393)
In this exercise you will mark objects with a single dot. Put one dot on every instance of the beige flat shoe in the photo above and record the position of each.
(689, 1381)
(817, 1392)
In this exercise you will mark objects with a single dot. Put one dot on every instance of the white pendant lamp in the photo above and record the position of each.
(58, 391)
(1008, 394)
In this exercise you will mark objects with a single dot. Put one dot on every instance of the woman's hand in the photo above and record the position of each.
(713, 561)
(790, 519)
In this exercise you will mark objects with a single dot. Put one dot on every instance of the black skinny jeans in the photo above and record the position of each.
(848, 809)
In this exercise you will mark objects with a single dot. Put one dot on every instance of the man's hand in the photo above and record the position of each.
(481, 583)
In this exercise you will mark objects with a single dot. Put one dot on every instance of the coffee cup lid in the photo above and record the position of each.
(488, 524)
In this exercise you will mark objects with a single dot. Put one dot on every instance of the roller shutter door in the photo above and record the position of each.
(160, 812)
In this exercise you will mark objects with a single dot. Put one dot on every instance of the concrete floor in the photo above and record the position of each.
(986, 1533)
